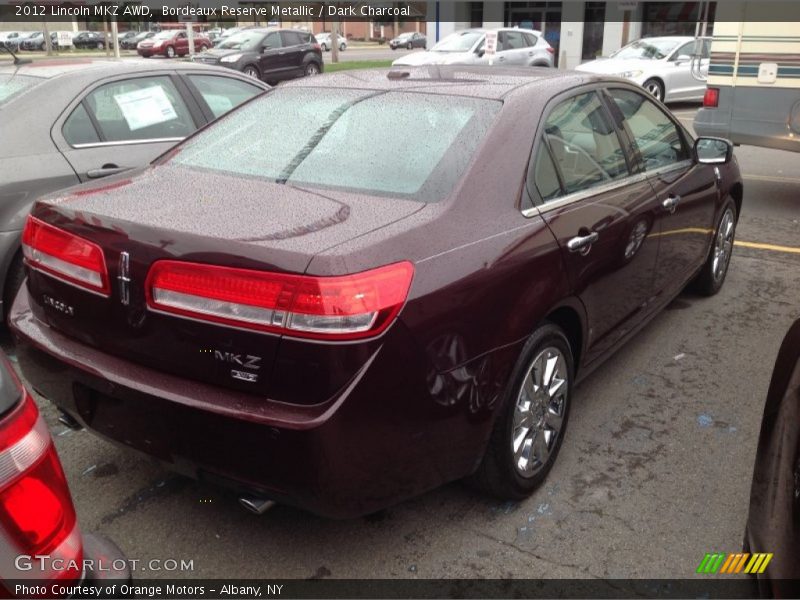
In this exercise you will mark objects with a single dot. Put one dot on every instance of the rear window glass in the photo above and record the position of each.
(13, 85)
(415, 146)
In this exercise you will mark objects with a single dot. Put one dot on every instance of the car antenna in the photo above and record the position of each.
(17, 60)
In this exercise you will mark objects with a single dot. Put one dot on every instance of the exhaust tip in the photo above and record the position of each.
(257, 506)
(68, 421)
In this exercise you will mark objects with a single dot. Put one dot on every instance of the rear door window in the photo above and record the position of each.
(291, 38)
(658, 139)
(79, 129)
(585, 146)
(146, 108)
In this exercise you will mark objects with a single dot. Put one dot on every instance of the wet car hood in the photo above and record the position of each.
(220, 52)
(614, 66)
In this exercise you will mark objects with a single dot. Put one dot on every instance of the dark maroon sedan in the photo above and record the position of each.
(325, 320)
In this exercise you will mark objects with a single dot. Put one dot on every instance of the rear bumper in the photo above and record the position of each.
(381, 439)
(103, 561)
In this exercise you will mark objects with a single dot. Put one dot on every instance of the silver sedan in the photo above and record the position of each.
(661, 65)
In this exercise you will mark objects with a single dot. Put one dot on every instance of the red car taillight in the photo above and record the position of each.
(37, 517)
(346, 307)
(711, 98)
(551, 50)
(65, 256)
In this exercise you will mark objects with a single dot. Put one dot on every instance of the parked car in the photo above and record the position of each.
(662, 66)
(37, 516)
(515, 47)
(81, 120)
(15, 43)
(772, 524)
(325, 42)
(36, 42)
(268, 54)
(85, 40)
(226, 33)
(408, 40)
(126, 35)
(8, 38)
(171, 43)
(340, 326)
(130, 43)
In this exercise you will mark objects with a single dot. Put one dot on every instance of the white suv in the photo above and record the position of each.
(515, 47)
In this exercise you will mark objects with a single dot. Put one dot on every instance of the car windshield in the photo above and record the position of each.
(329, 138)
(648, 49)
(403, 36)
(244, 40)
(12, 85)
(461, 41)
(164, 35)
(141, 36)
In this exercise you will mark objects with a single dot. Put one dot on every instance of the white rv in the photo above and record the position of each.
(753, 87)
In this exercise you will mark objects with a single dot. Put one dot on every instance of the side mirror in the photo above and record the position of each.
(713, 151)
(480, 52)
(683, 59)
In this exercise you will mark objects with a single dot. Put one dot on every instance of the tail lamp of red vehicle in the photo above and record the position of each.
(334, 308)
(37, 517)
(65, 256)
(551, 50)
(711, 98)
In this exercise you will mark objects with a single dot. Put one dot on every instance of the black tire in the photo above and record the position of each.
(712, 276)
(655, 87)
(252, 71)
(14, 280)
(169, 52)
(325, 48)
(100, 45)
(311, 69)
(342, 47)
(500, 473)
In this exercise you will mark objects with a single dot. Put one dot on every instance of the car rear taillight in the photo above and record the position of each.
(37, 517)
(711, 98)
(346, 307)
(65, 256)
(316, 46)
(551, 50)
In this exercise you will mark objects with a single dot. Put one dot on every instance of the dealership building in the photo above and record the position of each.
(578, 30)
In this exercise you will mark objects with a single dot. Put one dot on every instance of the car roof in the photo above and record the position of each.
(94, 69)
(474, 81)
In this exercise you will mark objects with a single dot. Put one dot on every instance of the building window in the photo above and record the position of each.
(594, 17)
(674, 18)
(476, 14)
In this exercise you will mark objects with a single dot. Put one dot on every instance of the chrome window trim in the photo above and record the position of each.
(128, 142)
(600, 189)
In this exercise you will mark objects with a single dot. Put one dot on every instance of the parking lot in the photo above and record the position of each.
(655, 470)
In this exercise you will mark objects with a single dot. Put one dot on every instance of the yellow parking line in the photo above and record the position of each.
(754, 245)
(772, 178)
(773, 247)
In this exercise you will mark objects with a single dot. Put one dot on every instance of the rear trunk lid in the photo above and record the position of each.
(183, 214)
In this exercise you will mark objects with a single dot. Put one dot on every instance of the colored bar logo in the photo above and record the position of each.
(742, 562)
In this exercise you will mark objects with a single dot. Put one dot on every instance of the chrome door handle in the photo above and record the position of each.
(583, 243)
(671, 203)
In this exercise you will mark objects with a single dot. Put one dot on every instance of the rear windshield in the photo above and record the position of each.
(415, 146)
(13, 85)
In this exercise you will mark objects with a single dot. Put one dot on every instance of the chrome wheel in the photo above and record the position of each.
(171, 52)
(251, 72)
(539, 412)
(312, 69)
(723, 245)
(654, 89)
